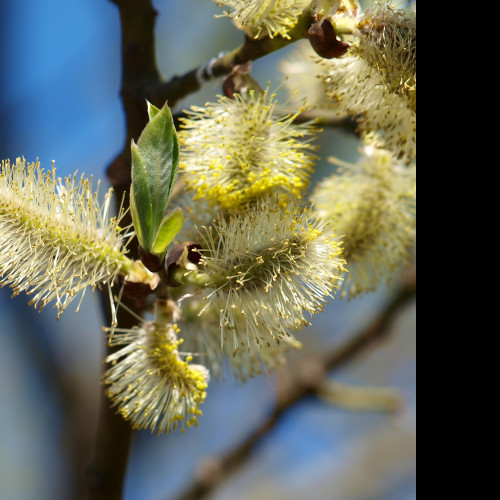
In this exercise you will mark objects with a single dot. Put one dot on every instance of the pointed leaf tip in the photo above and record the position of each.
(152, 110)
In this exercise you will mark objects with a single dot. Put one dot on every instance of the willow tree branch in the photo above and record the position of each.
(138, 71)
(358, 344)
(328, 119)
(106, 473)
(250, 50)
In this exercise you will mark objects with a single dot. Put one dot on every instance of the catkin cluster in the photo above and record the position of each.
(273, 263)
(267, 259)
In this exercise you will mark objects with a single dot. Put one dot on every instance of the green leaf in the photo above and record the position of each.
(140, 199)
(155, 166)
(170, 227)
(159, 149)
(136, 221)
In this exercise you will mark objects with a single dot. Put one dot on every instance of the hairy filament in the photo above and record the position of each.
(149, 382)
(272, 266)
(202, 339)
(55, 237)
(373, 205)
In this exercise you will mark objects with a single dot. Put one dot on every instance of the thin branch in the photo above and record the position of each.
(250, 50)
(359, 343)
(328, 119)
(139, 70)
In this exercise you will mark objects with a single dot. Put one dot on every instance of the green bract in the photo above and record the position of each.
(170, 226)
(155, 166)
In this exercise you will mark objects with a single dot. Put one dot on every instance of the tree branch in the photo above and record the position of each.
(250, 50)
(328, 119)
(235, 458)
(106, 473)
(139, 70)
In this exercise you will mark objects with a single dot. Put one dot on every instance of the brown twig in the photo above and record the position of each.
(105, 475)
(139, 70)
(235, 458)
(250, 50)
(328, 119)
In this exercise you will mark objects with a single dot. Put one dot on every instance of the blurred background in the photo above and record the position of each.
(59, 100)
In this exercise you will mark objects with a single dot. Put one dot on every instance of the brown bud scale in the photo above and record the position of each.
(325, 42)
(150, 261)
